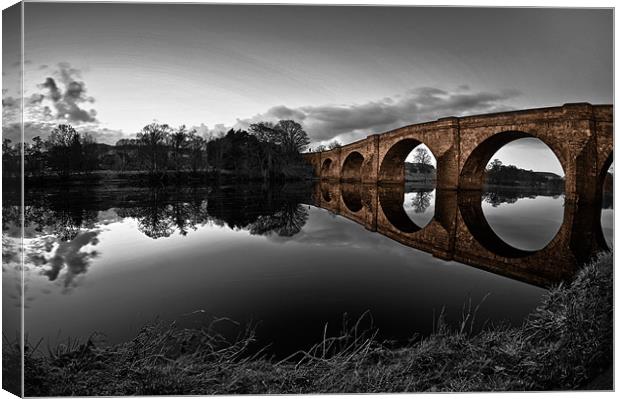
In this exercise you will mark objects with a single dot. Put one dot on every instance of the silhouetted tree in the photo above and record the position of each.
(197, 151)
(334, 144)
(152, 139)
(11, 162)
(64, 150)
(178, 143)
(423, 159)
(293, 137)
(421, 201)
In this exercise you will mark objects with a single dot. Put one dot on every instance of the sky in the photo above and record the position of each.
(342, 72)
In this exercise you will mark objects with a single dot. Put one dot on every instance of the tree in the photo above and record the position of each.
(334, 144)
(421, 201)
(287, 134)
(90, 153)
(34, 157)
(423, 159)
(494, 170)
(126, 150)
(197, 151)
(64, 150)
(178, 142)
(11, 165)
(265, 131)
(294, 138)
(320, 148)
(496, 165)
(152, 139)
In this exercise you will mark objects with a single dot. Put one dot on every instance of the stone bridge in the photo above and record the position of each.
(580, 135)
(459, 230)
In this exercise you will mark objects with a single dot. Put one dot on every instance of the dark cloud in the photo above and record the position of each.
(350, 122)
(54, 92)
(10, 102)
(68, 102)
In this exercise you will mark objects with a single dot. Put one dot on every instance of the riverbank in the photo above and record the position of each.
(563, 345)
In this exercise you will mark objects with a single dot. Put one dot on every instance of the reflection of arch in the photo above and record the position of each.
(393, 163)
(600, 192)
(602, 174)
(391, 202)
(352, 197)
(473, 173)
(327, 197)
(325, 168)
(352, 166)
(470, 207)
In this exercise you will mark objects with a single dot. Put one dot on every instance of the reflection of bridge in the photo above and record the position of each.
(580, 135)
(460, 232)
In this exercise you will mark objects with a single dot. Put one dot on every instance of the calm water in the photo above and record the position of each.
(109, 259)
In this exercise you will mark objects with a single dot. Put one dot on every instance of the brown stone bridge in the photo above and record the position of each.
(460, 232)
(580, 135)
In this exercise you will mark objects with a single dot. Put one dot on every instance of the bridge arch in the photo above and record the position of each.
(352, 167)
(392, 168)
(472, 175)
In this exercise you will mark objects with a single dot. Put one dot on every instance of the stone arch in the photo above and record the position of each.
(392, 168)
(352, 167)
(472, 173)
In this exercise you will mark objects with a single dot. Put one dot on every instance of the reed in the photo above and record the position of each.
(562, 345)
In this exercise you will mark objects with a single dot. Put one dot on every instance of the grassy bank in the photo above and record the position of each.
(562, 344)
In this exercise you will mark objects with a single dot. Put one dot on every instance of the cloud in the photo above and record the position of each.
(68, 101)
(350, 122)
(70, 255)
(209, 133)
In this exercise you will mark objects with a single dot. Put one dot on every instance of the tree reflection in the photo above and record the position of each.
(286, 223)
(496, 198)
(421, 200)
(61, 226)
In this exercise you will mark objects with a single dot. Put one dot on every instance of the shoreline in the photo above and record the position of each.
(565, 343)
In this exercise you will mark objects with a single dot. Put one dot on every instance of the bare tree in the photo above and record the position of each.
(423, 159)
(178, 142)
(288, 134)
(334, 144)
(152, 138)
(64, 149)
(197, 151)
(293, 137)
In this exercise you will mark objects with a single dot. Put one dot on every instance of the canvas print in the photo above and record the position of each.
(203, 199)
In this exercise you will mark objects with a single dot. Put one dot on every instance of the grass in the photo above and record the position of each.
(562, 345)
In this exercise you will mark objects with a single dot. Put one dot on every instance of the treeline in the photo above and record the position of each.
(509, 175)
(267, 151)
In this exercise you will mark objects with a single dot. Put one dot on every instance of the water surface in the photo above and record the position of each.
(110, 259)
